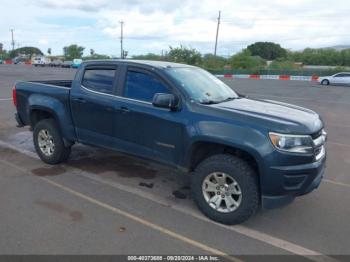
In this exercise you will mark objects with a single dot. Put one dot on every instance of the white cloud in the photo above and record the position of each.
(151, 26)
(43, 41)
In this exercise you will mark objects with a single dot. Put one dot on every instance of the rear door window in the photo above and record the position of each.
(99, 80)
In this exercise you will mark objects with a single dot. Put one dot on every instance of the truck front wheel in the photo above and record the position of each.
(225, 188)
(48, 142)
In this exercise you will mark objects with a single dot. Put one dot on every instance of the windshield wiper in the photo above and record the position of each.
(209, 102)
(228, 99)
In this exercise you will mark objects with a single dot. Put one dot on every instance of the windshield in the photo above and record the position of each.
(202, 86)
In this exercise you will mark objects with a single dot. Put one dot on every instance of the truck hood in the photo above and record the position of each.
(273, 115)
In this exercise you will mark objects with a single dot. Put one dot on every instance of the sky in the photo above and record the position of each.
(154, 25)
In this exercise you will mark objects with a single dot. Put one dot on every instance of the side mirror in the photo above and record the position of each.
(165, 101)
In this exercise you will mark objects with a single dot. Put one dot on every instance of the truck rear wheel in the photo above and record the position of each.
(48, 142)
(225, 189)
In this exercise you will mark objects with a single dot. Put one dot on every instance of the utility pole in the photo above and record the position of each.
(217, 33)
(121, 40)
(12, 41)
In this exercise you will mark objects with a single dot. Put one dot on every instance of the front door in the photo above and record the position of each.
(338, 78)
(148, 130)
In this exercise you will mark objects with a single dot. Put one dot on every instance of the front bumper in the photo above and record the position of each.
(292, 181)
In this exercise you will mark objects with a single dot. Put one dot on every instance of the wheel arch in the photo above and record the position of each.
(203, 149)
(38, 113)
(42, 106)
(325, 79)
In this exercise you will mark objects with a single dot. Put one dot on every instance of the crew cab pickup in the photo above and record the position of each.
(242, 153)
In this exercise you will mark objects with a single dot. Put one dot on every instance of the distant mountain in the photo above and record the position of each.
(335, 47)
(338, 47)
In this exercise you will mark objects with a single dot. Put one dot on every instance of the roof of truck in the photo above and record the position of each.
(157, 64)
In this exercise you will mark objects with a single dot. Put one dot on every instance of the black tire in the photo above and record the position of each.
(242, 173)
(60, 152)
(325, 82)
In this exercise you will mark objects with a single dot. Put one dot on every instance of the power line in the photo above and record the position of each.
(217, 33)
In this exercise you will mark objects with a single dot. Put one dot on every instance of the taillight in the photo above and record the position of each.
(14, 96)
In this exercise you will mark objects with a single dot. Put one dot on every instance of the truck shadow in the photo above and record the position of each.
(111, 165)
(123, 166)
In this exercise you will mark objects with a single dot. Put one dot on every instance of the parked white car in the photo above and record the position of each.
(41, 61)
(342, 78)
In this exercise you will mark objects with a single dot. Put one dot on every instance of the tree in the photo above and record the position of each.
(245, 60)
(267, 50)
(49, 51)
(149, 56)
(185, 55)
(92, 52)
(73, 51)
(26, 50)
(211, 62)
(345, 57)
(322, 56)
(96, 57)
(283, 64)
(2, 51)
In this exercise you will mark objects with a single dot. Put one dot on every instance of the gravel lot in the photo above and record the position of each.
(101, 202)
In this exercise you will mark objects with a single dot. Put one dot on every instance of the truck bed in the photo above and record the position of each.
(61, 83)
(53, 95)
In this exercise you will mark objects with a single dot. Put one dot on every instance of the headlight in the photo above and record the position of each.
(292, 143)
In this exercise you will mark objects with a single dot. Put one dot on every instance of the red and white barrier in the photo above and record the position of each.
(10, 62)
(273, 77)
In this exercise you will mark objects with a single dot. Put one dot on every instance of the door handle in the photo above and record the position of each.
(79, 100)
(124, 109)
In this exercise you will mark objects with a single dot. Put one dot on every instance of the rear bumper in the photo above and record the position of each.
(19, 121)
(294, 181)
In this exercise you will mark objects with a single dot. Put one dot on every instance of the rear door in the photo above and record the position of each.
(92, 105)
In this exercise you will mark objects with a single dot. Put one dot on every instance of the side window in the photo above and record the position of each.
(142, 86)
(100, 80)
(339, 75)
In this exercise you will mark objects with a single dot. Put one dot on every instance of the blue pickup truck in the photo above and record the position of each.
(242, 153)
